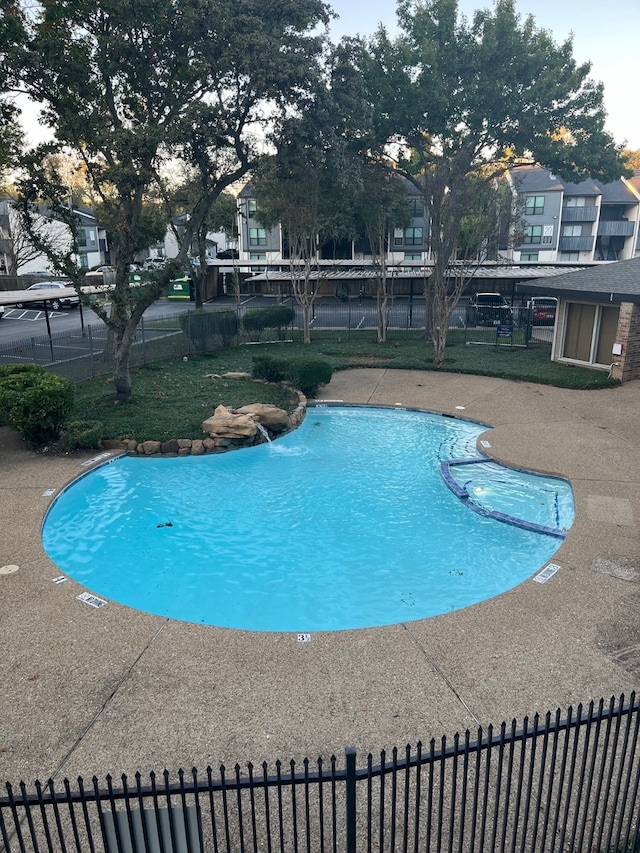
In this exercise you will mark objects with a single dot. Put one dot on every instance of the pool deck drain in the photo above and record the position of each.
(108, 690)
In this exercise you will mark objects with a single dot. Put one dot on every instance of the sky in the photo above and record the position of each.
(605, 34)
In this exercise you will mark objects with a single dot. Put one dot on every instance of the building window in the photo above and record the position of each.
(398, 237)
(258, 256)
(416, 208)
(257, 237)
(576, 201)
(572, 230)
(252, 207)
(532, 234)
(529, 257)
(82, 238)
(413, 256)
(84, 262)
(570, 256)
(534, 205)
(413, 236)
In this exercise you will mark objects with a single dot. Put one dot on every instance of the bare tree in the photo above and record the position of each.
(381, 204)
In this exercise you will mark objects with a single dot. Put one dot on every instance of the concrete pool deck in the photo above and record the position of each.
(95, 691)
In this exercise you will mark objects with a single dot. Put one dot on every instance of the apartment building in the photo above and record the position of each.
(18, 255)
(555, 222)
(561, 222)
(257, 243)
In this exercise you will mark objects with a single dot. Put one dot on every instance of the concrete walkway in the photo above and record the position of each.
(89, 691)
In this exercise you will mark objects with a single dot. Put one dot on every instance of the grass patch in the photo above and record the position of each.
(411, 352)
(171, 399)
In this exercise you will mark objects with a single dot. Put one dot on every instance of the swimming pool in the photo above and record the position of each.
(343, 523)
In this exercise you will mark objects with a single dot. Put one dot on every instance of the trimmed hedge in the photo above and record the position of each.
(81, 435)
(270, 369)
(200, 325)
(305, 374)
(34, 402)
(274, 317)
(308, 374)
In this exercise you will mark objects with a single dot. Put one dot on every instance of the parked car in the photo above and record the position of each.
(542, 310)
(489, 309)
(155, 263)
(65, 300)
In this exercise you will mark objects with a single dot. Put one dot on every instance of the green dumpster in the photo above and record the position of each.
(179, 288)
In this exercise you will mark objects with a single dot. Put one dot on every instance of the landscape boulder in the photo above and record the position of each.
(271, 417)
(226, 423)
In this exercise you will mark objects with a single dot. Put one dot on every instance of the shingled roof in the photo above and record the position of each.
(618, 281)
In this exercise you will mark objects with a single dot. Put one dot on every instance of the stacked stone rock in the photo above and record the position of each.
(227, 429)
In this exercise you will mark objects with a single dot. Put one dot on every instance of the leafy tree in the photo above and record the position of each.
(454, 99)
(307, 186)
(131, 88)
(11, 137)
(295, 188)
(289, 193)
(72, 174)
(221, 216)
(631, 158)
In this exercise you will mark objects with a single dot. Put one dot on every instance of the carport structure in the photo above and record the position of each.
(11, 298)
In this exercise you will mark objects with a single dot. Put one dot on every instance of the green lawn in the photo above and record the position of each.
(172, 398)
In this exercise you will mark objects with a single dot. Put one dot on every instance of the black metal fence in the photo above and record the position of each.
(87, 352)
(553, 784)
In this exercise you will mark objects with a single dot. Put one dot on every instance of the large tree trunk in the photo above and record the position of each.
(121, 356)
(127, 308)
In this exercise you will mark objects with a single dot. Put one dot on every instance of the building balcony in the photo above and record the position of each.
(576, 244)
(615, 228)
(579, 214)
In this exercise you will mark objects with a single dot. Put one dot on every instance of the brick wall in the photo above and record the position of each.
(628, 334)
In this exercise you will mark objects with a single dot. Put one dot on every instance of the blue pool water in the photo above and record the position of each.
(344, 523)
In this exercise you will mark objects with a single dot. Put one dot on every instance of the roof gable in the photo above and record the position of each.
(618, 281)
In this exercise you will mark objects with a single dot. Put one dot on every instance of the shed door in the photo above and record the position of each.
(607, 334)
(590, 332)
(579, 331)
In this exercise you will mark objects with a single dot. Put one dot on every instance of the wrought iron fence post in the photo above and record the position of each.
(144, 351)
(350, 798)
(91, 353)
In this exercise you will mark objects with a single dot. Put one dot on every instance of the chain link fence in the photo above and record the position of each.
(87, 352)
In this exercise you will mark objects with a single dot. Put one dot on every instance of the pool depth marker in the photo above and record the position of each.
(548, 572)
